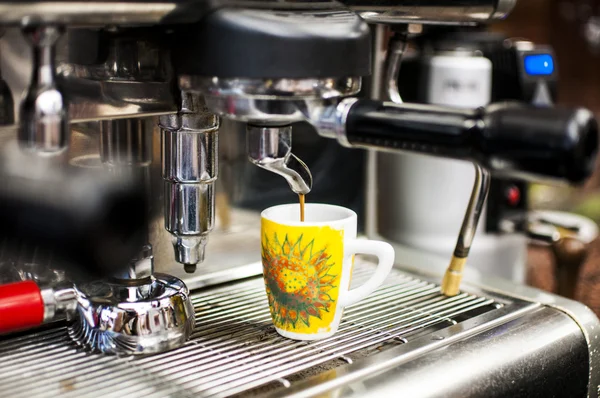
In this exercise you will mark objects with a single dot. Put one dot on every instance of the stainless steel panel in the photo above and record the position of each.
(431, 11)
(84, 12)
(542, 353)
(133, 12)
(89, 99)
(234, 347)
(585, 318)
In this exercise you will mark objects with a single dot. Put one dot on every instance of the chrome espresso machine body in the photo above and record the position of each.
(153, 94)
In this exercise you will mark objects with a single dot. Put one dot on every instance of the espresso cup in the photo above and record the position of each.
(307, 267)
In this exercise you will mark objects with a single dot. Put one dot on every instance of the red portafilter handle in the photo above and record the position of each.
(21, 306)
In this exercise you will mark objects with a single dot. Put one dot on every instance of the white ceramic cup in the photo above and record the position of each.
(307, 267)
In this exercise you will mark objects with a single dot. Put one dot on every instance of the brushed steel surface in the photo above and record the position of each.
(267, 101)
(536, 353)
(547, 335)
(448, 12)
(234, 347)
(585, 318)
(151, 12)
(83, 12)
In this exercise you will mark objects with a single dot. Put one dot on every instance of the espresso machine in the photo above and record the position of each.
(464, 67)
(154, 94)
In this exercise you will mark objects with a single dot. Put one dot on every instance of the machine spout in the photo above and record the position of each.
(189, 251)
(271, 149)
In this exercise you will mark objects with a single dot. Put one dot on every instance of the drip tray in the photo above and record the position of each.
(234, 349)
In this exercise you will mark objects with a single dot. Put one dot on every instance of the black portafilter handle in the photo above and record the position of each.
(92, 224)
(509, 139)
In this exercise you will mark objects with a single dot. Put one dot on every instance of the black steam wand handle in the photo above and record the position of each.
(509, 139)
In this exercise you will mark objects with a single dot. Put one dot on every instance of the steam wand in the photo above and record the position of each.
(454, 272)
(450, 285)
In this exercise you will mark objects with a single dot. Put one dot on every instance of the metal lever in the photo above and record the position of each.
(570, 254)
(271, 149)
(568, 236)
(396, 49)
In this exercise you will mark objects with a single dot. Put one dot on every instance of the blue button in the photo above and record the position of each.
(539, 64)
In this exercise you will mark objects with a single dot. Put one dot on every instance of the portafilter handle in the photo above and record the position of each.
(24, 305)
(509, 139)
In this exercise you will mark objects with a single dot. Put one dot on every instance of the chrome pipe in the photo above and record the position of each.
(435, 12)
(189, 147)
(43, 113)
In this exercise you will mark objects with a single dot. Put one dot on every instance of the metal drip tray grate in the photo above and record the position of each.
(234, 348)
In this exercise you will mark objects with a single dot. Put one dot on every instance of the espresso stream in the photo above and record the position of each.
(301, 196)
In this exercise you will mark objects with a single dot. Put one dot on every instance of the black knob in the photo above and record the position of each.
(552, 142)
(569, 255)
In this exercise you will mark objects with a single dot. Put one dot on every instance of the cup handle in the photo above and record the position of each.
(385, 254)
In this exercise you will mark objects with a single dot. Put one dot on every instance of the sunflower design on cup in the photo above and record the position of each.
(301, 282)
(307, 267)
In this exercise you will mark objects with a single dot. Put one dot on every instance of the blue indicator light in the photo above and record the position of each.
(539, 64)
